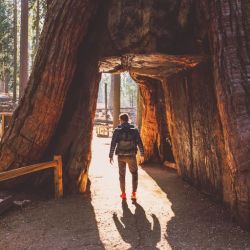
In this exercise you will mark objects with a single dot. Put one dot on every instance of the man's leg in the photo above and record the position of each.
(132, 164)
(122, 172)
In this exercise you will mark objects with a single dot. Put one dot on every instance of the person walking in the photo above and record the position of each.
(125, 141)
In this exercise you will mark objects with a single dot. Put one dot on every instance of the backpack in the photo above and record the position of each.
(126, 142)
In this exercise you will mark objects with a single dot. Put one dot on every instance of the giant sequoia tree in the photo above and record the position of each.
(192, 63)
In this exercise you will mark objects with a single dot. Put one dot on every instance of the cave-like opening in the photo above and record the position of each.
(119, 93)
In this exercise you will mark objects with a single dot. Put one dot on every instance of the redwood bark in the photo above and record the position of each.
(36, 119)
(229, 36)
(154, 128)
(196, 131)
(73, 135)
(48, 3)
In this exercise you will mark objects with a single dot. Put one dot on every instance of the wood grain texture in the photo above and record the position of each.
(36, 119)
(229, 37)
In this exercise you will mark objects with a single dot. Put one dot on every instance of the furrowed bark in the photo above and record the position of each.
(35, 120)
(229, 36)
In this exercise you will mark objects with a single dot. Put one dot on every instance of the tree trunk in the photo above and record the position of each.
(24, 59)
(1, 85)
(139, 109)
(37, 24)
(196, 138)
(229, 35)
(38, 123)
(111, 95)
(106, 100)
(116, 81)
(15, 51)
(48, 3)
(6, 81)
(154, 129)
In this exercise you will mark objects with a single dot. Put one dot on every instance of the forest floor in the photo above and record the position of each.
(169, 214)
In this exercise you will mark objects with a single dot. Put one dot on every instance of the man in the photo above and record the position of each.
(124, 142)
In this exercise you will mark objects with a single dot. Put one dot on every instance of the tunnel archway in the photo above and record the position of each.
(207, 107)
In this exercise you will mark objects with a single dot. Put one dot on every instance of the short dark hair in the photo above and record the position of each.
(124, 117)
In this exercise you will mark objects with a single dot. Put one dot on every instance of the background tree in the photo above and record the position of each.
(15, 51)
(6, 44)
(24, 46)
(10, 32)
(128, 91)
(37, 10)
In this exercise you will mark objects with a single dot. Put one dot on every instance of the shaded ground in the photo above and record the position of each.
(169, 215)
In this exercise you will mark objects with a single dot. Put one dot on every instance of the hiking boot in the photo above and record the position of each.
(123, 196)
(133, 196)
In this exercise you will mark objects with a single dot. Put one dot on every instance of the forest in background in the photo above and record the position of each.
(128, 91)
(21, 24)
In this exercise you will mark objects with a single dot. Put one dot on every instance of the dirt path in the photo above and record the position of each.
(169, 214)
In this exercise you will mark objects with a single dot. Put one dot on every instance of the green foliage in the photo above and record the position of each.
(128, 89)
(6, 38)
(37, 9)
(7, 33)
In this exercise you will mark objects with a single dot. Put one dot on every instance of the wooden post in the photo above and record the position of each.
(56, 164)
(58, 177)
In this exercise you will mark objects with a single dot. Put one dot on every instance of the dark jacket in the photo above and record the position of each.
(116, 136)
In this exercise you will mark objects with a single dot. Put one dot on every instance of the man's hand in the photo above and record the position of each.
(111, 160)
(142, 159)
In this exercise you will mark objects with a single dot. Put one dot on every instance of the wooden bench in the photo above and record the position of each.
(103, 130)
(56, 164)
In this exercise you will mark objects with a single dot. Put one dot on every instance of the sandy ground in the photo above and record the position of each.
(169, 214)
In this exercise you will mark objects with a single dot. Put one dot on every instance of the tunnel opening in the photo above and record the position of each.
(155, 75)
(69, 131)
(120, 93)
(150, 72)
(176, 92)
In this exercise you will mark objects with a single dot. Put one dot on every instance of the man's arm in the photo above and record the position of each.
(113, 144)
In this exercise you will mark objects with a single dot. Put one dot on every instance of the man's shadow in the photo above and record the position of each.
(136, 229)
